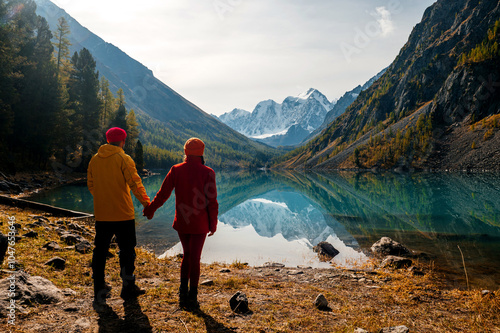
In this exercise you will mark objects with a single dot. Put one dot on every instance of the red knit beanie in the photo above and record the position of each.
(194, 146)
(115, 134)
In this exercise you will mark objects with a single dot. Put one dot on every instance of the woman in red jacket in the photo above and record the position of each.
(196, 210)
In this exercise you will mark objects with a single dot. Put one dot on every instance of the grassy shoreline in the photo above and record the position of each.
(281, 299)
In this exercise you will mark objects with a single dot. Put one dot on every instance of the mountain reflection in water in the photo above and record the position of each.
(279, 216)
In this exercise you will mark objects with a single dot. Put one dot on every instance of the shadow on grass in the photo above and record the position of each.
(212, 325)
(135, 321)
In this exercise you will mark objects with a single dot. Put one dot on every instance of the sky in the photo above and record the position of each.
(226, 54)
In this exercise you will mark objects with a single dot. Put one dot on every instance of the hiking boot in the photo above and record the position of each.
(183, 297)
(101, 292)
(192, 302)
(131, 291)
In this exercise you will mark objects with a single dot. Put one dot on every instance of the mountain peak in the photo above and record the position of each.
(270, 118)
(308, 93)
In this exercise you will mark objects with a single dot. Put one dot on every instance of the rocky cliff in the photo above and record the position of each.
(436, 106)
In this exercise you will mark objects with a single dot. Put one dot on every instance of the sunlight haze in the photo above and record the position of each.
(226, 54)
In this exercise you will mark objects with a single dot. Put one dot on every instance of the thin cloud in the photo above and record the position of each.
(384, 19)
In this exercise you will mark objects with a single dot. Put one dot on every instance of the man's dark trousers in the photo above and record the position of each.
(126, 239)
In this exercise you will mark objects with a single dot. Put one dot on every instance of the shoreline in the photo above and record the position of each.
(25, 184)
(280, 298)
(457, 280)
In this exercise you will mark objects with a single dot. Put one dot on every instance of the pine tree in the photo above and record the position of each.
(7, 90)
(108, 102)
(132, 132)
(85, 90)
(86, 104)
(120, 100)
(62, 45)
(37, 86)
(120, 119)
(139, 156)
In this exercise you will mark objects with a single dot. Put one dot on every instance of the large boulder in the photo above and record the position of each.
(386, 246)
(29, 290)
(325, 251)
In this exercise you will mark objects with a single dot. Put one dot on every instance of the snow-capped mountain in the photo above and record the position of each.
(269, 118)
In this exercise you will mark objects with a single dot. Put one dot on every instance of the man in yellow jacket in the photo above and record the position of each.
(110, 177)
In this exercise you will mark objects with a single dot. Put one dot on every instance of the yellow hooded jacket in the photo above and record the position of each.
(110, 177)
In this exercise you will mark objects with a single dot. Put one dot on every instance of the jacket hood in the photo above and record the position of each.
(108, 150)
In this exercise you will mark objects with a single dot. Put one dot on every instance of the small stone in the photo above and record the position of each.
(487, 293)
(304, 267)
(57, 263)
(83, 247)
(31, 234)
(295, 272)
(273, 265)
(239, 303)
(387, 246)
(225, 270)
(360, 330)
(320, 302)
(325, 251)
(207, 283)
(395, 329)
(53, 246)
(71, 239)
(396, 262)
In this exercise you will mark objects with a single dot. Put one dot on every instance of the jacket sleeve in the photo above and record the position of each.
(90, 178)
(134, 181)
(163, 194)
(213, 205)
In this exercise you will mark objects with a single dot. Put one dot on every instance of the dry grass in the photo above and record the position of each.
(279, 301)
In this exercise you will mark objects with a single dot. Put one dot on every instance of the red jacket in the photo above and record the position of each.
(196, 206)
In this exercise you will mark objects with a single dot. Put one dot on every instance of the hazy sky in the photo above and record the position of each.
(226, 54)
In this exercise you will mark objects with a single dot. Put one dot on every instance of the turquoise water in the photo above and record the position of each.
(279, 216)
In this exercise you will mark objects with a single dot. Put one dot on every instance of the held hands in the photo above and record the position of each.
(148, 212)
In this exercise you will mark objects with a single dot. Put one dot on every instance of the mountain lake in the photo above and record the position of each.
(269, 216)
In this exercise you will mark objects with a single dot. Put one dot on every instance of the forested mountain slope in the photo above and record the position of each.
(166, 119)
